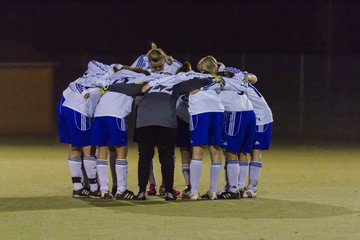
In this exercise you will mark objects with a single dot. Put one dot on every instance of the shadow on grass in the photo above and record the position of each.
(244, 208)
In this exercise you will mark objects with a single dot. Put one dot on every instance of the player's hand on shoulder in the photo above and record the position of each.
(104, 89)
(145, 88)
(250, 78)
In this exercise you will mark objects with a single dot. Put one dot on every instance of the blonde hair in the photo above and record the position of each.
(157, 57)
(208, 64)
(186, 67)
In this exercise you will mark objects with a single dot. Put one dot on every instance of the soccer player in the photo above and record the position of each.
(155, 61)
(206, 121)
(263, 131)
(239, 126)
(75, 111)
(110, 129)
(183, 139)
(155, 130)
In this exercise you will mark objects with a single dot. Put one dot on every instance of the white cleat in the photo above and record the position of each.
(193, 196)
(249, 193)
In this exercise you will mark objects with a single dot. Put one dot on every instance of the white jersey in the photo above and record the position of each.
(235, 101)
(66, 92)
(262, 110)
(89, 79)
(143, 62)
(115, 104)
(88, 84)
(233, 96)
(77, 102)
(172, 80)
(206, 100)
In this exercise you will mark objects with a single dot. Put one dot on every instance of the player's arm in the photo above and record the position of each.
(79, 89)
(135, 69)
(140, 62)
(190, 86)
(131, 89)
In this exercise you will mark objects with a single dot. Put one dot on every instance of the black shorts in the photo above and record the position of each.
(156, 135)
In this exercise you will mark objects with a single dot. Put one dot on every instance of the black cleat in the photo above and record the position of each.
(106, 195)
(170, 196)
(94, 194)
(141, 196)
(229, 195)
(81, 193)
(127, 195)
(114, 190)
(185, 192)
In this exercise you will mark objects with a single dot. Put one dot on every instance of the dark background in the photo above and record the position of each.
(306, 54)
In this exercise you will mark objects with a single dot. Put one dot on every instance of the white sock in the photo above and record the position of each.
(121, 174)
(195, 173)
(215, 171)
(90, 169)
(102, 171)
(232, 170)
(254, 174)
(186, 173)
(75, 172)
(152, 179)
(243, 171)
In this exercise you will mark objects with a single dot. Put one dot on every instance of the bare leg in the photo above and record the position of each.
(112, 160)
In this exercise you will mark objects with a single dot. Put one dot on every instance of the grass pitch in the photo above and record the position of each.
(305, 193)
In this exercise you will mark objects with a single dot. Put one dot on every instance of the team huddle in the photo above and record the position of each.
(215, 108)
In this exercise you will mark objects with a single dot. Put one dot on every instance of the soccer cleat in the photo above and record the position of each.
(106, 194)
(249, 193)
(94, 194)
(141, 196)
(223, 189)
(241, 191)
(177, 192)
(81, 193)
(127, 195)
(152, 190)
(193, 196)
(170, 196)
(162, 191)
(229, 195)
(209, 196)
(185, 192)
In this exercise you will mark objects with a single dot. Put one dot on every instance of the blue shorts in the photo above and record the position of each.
(61, 124)
(109, 131)
(239, 132)
(206, 129)
(74, 127)
(182, 134)
(263, 136)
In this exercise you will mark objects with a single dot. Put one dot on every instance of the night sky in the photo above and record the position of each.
(126, 27)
